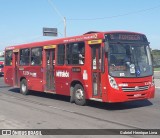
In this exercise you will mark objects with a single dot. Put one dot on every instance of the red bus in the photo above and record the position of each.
(102, 66)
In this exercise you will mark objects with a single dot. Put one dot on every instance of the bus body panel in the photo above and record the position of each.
(8, 75)
(35, 77)
(63, 77)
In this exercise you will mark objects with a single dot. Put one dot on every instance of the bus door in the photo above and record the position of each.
(96, 71)
(50, 64)
(15, 67)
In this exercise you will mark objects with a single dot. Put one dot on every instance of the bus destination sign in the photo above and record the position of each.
(126, 37)
(129, 37)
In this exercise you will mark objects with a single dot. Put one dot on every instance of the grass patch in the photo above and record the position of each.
(156, 69)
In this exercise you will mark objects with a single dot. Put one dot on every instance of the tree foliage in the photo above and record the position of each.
(156, 57)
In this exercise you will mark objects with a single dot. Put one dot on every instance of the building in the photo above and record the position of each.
(1, 53)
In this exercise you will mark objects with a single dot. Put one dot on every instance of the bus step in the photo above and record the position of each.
(50, 92)
(96, 99)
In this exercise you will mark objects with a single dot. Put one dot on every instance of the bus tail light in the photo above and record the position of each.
(113, 83)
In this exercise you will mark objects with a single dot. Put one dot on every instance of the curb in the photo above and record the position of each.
(157, 71)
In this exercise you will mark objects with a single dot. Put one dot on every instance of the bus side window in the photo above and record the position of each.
(81, 53)
(36, 56)
(8, 58)
(24, 56)
(61, 54)
(76, 53)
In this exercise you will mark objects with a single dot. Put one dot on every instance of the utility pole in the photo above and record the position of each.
(65, 27)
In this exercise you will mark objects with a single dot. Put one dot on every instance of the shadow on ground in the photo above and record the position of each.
(93, 104)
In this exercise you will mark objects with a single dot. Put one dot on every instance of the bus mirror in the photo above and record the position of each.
(106, 47)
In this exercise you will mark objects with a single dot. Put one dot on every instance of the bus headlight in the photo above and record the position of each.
(113, 83)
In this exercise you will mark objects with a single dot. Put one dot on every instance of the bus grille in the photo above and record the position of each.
(136, 88)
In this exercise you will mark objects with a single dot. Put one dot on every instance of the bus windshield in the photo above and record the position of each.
(129, 60)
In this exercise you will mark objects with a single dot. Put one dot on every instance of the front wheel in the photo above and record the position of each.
(79, 95)
(24, 87)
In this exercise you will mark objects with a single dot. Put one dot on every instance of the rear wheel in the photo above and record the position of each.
(79, 95)
(72, 94)
(24, 87)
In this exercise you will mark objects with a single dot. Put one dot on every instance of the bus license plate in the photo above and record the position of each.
(137, 95)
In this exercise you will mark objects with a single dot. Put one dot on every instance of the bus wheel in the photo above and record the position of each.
(79, 95)
(24, 87)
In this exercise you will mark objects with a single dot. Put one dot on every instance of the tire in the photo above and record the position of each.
(79, 95)
(24, 87)
(72, 95)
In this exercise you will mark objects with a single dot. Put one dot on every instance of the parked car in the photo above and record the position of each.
(1, 68)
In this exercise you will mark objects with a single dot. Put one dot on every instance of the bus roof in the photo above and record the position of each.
(87, 36)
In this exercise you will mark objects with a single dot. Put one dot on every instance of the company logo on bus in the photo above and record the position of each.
(136, 88)
(63, 74)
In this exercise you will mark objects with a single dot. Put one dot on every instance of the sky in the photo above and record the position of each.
(22, 21)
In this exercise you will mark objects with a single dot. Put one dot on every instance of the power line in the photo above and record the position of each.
(116, 16)
(61, 16)
(55, 9)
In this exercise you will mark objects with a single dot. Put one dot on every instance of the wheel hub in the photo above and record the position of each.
(24, 87)
(79, 94)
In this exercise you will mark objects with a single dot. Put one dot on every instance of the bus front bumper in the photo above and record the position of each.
(120, 96)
